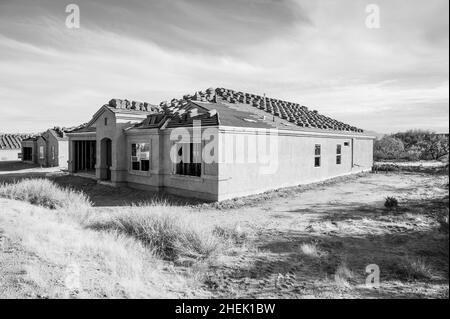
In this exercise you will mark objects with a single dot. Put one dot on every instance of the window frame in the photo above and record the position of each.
(318, 156)
(193, 165)
(41, 152)
(339, 154)
(137, 157)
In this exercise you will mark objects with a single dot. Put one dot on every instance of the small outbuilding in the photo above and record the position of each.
(52, 148)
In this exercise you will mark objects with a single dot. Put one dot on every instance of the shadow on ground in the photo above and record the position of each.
(103, 195)
(12, 166)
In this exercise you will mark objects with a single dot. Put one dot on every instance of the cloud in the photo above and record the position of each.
(317, 53)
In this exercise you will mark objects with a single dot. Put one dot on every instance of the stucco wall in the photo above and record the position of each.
(9, 155)
(63, 154)
(235, 175)
(203, 187)
(41, 144)
(293, 163)
(57, 151)
(52, 150)
(161, 175)
(363, 153)
(114, 130)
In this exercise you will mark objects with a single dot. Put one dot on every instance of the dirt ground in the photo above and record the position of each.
(316, 241)
(347, 224)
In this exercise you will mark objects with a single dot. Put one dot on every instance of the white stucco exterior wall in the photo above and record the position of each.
(9, 155)
(293, 163)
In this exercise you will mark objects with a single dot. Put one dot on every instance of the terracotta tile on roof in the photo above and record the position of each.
(294, 113)
(11, 141)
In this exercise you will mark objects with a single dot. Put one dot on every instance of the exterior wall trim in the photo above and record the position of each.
(282, 132)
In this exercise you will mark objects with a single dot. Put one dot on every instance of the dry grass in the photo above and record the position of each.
(318, 246)
(121, 254)
(45, 193)
(62, 259)
(342, 276)
(443, 221)
(168, 235)
(235, 234)
(415, 268)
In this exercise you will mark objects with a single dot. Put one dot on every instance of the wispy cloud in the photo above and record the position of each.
(317, 53)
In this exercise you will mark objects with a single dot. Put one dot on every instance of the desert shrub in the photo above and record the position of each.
(45, 193)
(391, 202)
(388, 148)
(170, 236)
(413, 269)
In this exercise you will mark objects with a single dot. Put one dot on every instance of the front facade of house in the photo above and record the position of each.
(216, 145)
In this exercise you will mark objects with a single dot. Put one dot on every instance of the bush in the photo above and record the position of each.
(45, 193)
(388, 148)
(168, 235)
(424, 145)
(391, 202)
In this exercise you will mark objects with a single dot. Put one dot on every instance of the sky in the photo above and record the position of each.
(319, 53)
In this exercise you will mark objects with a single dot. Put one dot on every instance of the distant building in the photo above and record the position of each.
(10, 147)
(131, 144)
(50, 149)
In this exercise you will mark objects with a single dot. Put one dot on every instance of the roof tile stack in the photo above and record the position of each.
(133, 105)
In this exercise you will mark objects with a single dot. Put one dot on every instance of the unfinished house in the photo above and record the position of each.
(52, 148)
(216, 145)
(10, 147)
